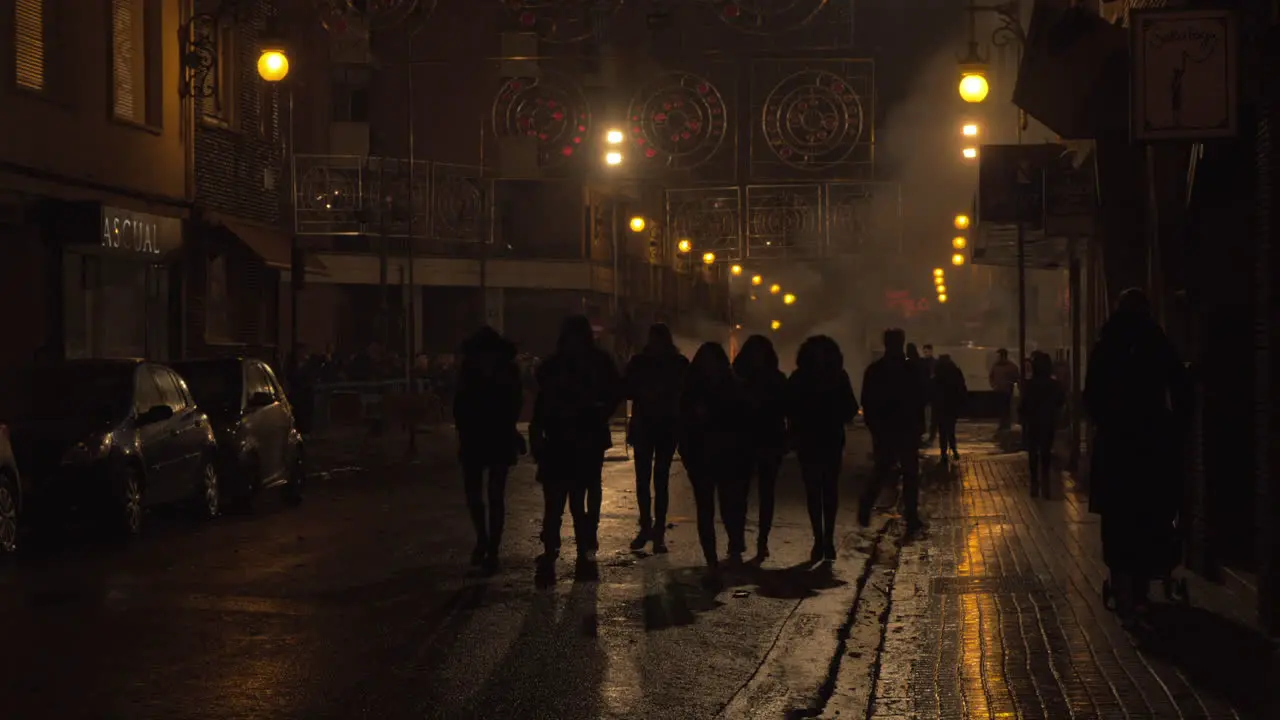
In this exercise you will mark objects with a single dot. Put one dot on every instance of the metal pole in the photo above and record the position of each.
(484, 242)
(1073, 298)
(295, 291)
(613, 240)
(410, 328)
(1022, 297)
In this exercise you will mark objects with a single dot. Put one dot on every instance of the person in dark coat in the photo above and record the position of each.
(652, 382)
(712, 447)
(578, 391)
(766, 393)
(949, 395)
(820, 404)
(1135, 393)
(891, 406)
(1042, 401)
(486, 409)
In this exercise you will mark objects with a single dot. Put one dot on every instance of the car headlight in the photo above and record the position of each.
(89, 450)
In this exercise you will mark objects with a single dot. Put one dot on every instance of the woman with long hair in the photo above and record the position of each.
(765, 388)
(1042, 403)
(712, 442)
(820, 403)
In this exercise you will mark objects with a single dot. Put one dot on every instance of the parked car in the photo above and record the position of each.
(259, 446)
(10, 495)
(119, 437)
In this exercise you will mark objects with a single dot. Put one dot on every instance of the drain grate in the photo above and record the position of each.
(985, 584)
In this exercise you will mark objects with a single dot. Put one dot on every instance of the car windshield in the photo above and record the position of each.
(90, 392)
(214, 385)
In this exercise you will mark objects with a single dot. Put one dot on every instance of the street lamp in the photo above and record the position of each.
(613, 158)
(736, 270)
(774, 289)
(613, 137)
(708, 258)
(637, 224)
(969, 130)
(273, 64)
(756, 280)
(775, 325)
(942, 298)
(973, 86)
(684, 246)
(942, 289)
(938, 280)
(957, 259)
(788, 299)
(962, 222)
(958, 242)
(970, 153)
(937, 272)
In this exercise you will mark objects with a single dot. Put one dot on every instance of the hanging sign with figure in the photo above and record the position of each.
(1185, 83)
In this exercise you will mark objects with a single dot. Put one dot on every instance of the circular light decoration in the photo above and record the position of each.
(678, 120)
(343, 16)
(812, 120)
(767, 17)
(549, 109)
(562, 21)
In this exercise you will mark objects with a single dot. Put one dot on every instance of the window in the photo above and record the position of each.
(216, 98)
(351, 105)
(256, 381)
(135, 67)
(145, 393)
(217, 308)
(169, 394)
(29, 44)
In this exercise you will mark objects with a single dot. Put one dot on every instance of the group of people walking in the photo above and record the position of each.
(730, 422)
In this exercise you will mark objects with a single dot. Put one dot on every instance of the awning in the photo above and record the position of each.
(272, 245)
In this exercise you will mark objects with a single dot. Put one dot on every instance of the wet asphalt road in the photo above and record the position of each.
(360, 604)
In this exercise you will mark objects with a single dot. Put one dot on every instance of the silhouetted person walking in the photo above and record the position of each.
(712, 446)
(891, 402)
(1134, 392)
(766, 392)
(928, 365)
(950, 393)
(1042, 401)
(578, 391)
(1004, 376)
(652, 382)
(486, 409)
(820, 404)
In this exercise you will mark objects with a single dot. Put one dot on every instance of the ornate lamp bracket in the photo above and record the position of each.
(198, 47)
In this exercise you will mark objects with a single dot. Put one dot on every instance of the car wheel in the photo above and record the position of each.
(8, 514)
(210, 499)
(127, 503)
(293, 489)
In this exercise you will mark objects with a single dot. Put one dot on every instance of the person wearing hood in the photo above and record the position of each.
(756, 366)
(486, 409)
(1136, 395)
(1042, 404)
(712, 446)
(579, 390)
(891, 405)
(652, 382)
(949, 395)
(820, 404)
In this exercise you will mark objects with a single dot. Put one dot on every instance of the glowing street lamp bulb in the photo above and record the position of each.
(774, 289)
(938, 281)
(736, 270)
(613, 137)
(957, 259)
(958, 242)
(273, 65)
(684, 246)
(637, 224)
(613, 158)
(970, 130)
(962, 222)
(775, 325)
(942, 298)
(970, 153)
(788, 299)
(942, 289)
(937, 272)
(756, 279)
(708, 258)
(973, 87)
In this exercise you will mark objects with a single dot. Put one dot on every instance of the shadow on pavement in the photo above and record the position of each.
(1214, 653)
(797, 582)
(683, 597)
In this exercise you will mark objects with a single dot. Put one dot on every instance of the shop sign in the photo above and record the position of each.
(141, 233)
(1185, 74)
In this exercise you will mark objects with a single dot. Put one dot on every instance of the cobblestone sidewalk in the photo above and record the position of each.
(997, 613)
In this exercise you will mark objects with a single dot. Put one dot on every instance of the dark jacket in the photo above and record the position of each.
(819, 406)
(487, 405)
(949, 391)
(713, 427)
(1042, 401)
(652, 382)
(926, 367)
(577, 397)
(765, 392)
(892, 398)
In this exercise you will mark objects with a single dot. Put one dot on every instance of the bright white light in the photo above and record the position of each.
(613, 158)
(970, 153)
(970, 130)
(613, 137)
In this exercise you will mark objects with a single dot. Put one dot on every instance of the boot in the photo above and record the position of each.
(659, 543)
(641, 539)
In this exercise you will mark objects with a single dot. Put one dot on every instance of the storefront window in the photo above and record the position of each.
(114, 307)
(217, 310)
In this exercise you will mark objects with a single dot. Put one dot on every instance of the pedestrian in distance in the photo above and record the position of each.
(652, 382)
(713, 433)
(1004, 377)
(756, 366)
(928, 366)
(579, 390)
(1136, 394)
(486, 409)
(820, 405)
(949, 396)
(1042, 401)
(891, 403)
